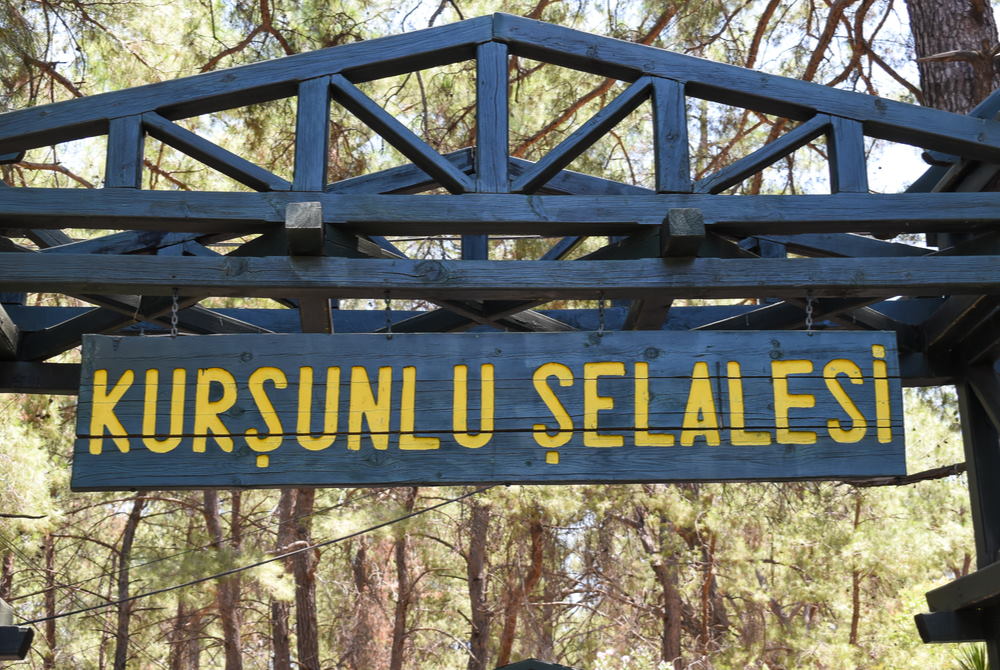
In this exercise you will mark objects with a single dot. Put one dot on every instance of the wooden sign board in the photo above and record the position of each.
(366, 410)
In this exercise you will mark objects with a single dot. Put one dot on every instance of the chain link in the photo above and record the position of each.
(388, 316)
(809, 312)
(173, 313)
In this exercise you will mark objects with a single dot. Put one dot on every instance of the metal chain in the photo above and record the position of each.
(173, 313)
(809, 312)
(600, 312)
(388, 316)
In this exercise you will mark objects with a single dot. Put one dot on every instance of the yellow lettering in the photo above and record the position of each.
(883, 408)
(700, 417)
(266, 408)
(460, 406)
(178, 387)
(859, 426)
(364, 407)
(303, 425)
(102, 412)
(783, 400)
(594, 403)
(739, 437)
(206, 412)
(541, 381)
(407, 411)
(644, 438)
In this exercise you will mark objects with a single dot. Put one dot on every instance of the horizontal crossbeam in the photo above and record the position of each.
(216, 212)
(977, 589)
(279, 277)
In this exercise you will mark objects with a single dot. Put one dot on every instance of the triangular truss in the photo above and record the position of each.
(317, 242)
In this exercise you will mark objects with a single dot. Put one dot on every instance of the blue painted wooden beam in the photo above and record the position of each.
(280, 277)
(218, 212)
(732, 85)
(248, 84)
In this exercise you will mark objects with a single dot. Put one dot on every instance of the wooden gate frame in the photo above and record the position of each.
(320, 241)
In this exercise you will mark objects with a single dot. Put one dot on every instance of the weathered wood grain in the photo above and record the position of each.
(512, 453)
(123, 162)
(846, 156)
(246, 213)
(312, 134)
(280, 277)
(238, 86)
(732, 85)
(670, 137)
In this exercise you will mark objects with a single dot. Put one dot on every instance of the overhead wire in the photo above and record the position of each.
(182, 552)
(257, 564)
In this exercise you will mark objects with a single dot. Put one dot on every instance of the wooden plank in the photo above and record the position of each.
(44, 344)
(312, 134)
(279, 277)
(304, 229)
(961, 626)
(245, 213)
(982, 345)
(956, 318)
(688, 392)
(304, 232)
(732, 85)
(770, 153)
(492, 142)
(648, 314)
(977, 589)
(846, 156)
(981, 440)
(211, 154)
(583, 137)
(843, 244)
(234, 87)
(128, 242)
(784, 314)
(399, 136)
(670, 137)
(683, 233)
(568, 182)
(403, 179)
(9, 336)
(985, 383)
(123, 164)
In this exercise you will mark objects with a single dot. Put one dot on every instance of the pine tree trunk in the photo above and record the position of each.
(228, 589)
(304, 566)
(476, 571)
(960, 82)
(124, 562)
(6, 575)
(404, 592)
(518, 595)
(49, 656)
(281, 652)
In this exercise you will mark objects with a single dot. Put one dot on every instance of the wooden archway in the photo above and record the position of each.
(682, 239)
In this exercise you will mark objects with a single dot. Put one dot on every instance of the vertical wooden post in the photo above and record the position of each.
(491, 134)
(123, 166)
(670, 137)
(312, 128)
(981, 437)
(846, 154)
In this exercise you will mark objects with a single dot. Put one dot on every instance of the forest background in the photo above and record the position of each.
(803, 575)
